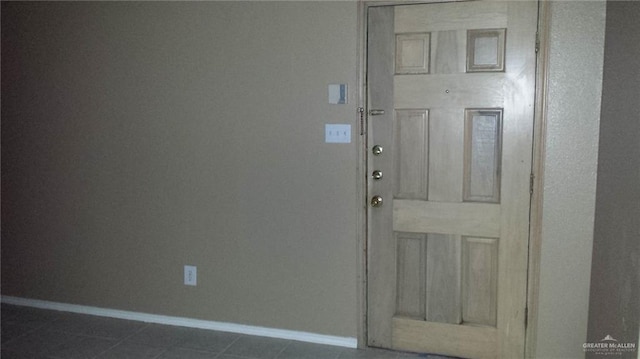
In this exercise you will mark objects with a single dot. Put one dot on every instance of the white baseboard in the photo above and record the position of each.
(346, 342)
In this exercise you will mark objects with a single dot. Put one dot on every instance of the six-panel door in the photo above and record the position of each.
(448, 247)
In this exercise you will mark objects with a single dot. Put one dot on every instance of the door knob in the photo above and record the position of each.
(377, 149)
(376, 201)
(377, 174)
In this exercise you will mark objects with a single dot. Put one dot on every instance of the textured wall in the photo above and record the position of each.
(575, 82)
(614, 306)
(138, 137)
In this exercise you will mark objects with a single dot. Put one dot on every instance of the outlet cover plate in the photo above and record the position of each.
(190, 275)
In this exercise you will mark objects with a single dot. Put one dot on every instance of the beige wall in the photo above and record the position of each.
(139, 137)
(575, 85)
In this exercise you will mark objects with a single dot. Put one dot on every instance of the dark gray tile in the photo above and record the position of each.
(229, 356)
(86, 347)
(38, 342)
(257, 347)
(68, 322)
(8, 312)
(31, 317)
(95, 326)
(155, 335)
(12, 331)
(207, 340)
(113, 328)
(367, 354)
(181, 353)
(5, 354)
(132, 351)
(299, 350)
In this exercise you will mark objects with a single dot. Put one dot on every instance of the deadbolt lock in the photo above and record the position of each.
(376, 175)
(377, 150)
(376, 201)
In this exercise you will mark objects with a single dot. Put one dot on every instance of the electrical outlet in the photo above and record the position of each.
(190, 275)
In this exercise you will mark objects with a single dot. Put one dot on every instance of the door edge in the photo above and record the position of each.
(537, 172)
(361, 183)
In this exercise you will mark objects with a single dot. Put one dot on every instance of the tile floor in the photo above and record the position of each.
(38, 334)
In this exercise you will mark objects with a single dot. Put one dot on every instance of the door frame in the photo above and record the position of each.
(537, 167)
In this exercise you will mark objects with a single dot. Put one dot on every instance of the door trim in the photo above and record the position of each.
(537, 170)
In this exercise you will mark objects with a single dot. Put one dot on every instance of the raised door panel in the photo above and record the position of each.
(412, 153)
(444, 256)
(411, 261)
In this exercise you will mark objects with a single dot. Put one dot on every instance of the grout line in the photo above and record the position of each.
(229, 346)
(31, 330)
(282, 350)
(122, 340)
(106, 350)
(162, 352)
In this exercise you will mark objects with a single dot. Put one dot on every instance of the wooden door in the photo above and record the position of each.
(450, 103)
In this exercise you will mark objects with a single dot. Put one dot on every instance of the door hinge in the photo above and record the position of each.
(361, 111)
(537, 42)
(531, 178)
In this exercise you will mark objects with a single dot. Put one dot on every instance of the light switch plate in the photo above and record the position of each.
(337, 133)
